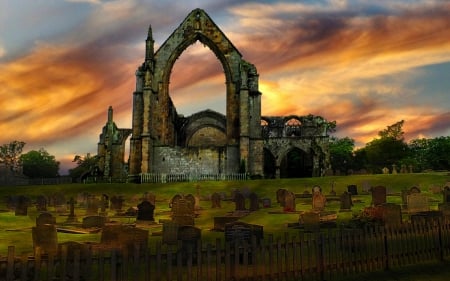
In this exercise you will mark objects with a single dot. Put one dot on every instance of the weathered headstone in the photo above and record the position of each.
(183, 212)
(239, 201)
(123, 236)
(145, 211)
(22, 206)
(318, 201)
(72, 217)
(266, 203)
(417, 202)
(289, 202)
(414, 189)
(41, 203)
(93, 221)
(170, 233)
(446, 194)
(392, 214)
(92, 206)
(45, 218)
(310, 221)
(254, 202)
(220, 222)
(238, 232)
(281, 196)
(346, 201)
(116, 203)
(352, 189)
(378, 195)
(215, 200)
(45, 238)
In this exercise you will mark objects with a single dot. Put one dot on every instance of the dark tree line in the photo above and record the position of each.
(390, 148)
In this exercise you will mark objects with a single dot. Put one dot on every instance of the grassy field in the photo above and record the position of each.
(16, 230)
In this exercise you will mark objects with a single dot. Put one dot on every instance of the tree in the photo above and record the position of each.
(86, 164)
(10, 154)
(387, 150)
(39, 164)
(431, 153)
(341, 153)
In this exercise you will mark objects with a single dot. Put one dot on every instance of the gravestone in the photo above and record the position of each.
(41, 203)
(72, 217)
(116, 203)
(21, 208)
(175, 199)
(346, 202)
(445, 209)
(332, 191)
(385, 170)
(189, 237)
(170, 233)
(254, 202)
(45, 218)
(145, 211)
(150, 197)
(183, 212)
(378, 195)
(45, 238)
(281, 196)
(289, 202)
(92, 206)
(93, 222)
(310, 221)
(366, 187)
(417, 202)
(318, 201)
(117, 236)
(414, 189)
(239, 201)
(215, 200)
(352, 189)
(446, 194)
(220, 222)
(391, 214)
(238, 232)
(266, 203)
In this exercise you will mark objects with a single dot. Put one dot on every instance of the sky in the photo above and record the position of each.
(364, 64)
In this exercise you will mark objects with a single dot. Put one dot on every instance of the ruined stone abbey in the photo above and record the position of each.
(208, 142)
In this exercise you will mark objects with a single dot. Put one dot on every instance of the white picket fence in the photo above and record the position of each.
(164, 178)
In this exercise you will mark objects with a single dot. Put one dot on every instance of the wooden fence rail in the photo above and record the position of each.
(326, 255)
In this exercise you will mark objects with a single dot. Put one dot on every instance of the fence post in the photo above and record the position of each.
(10, 268)
(320, 255)
(386, 248)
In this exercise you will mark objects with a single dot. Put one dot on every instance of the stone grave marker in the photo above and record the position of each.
(45, 218)
(189, 237)
(239, 201)
(352, 189)
(150, 197)
(215, 200)
(391, 214)
(145, 211)
(332, 191)
(445, 209)
(220, 222)
(92, 206)
(366, 187)
(41, 203)
(116, 203)
(281, 196)
(346, 202)
(378, 195)
(318, 201)
(72, 217)
(93, 221)
(316, 188)
(446, 194)
(266, 203)
(170, 233)
(310, 221)
(183, 212)
(414, 189)
(289, 202)
(21, 208)
(417, 202)
(254, 202)
(240, 231)
(124, 236)
(175, 199)
(435, 189)
(45, 238)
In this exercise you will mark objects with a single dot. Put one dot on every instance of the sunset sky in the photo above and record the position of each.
(364, 64)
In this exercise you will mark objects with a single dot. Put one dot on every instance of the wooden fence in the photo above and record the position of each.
(325, 255)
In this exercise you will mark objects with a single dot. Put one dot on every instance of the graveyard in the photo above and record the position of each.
(111, 216)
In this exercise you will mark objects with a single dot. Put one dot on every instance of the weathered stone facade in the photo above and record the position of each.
(208, 142)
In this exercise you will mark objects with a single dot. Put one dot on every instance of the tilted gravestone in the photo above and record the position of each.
(45, 238)
(254, 202)
(378, 195)
(145, 211)
(346, 201)
(215, 200)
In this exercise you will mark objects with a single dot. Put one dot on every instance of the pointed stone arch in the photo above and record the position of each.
(155, 120)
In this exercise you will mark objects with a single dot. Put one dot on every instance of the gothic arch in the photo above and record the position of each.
(155, 119)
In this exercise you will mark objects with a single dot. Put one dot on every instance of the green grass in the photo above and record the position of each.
(16, 230)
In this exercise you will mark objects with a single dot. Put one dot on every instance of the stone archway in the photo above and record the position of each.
(296, 163)
(156, 124)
